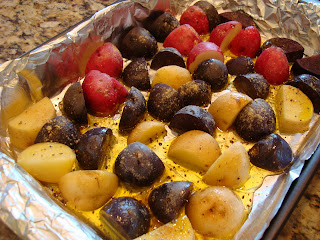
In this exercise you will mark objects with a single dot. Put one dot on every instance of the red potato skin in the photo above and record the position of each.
(197, 18)
(203, 48)
(273, 65)
(107, 59)
(103, 94)
(183, 38)
(247, 42)
(221, 31)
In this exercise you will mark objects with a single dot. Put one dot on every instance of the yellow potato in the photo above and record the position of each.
(225, 108)
(294, 110)
(215, 212)
(47, 162)
(88, 190)
(231, 169)
(179, 229)
(195, 149)
(23, 129)
(172, 75)
(144, 132)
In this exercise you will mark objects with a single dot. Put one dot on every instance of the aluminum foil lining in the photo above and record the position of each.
(25, 206)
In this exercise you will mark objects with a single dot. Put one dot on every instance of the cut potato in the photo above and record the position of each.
(225, 108)
(195, 149)
(34, 83)
(47, 162)
(178, 229)
(146, 131)
(215, 212)
(231, 169)
(172, 75)
(23, 129)
(294, 109)
(88, 190)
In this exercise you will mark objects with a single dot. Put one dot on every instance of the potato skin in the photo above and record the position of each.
(167, 56)
(132, 216)
(240, 65)
(192, 118)
(196, 92)
(310, 86)
(214, 72)
(74, 105)
(252, 84)
(136, 74)
(134, 110)
(139, 42)
(164, 101)
(137, 164)
(211, 12)
(272, 153)
(163, 25)
(255, 121)
(166, 200)
(59, 129)
(93, 146)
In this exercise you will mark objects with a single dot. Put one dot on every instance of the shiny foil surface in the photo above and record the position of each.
(24, 203)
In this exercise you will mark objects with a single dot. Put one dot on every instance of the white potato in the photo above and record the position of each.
(23, 129)
(146, 131)
(225, 108)
(88, 190)
(195, 149)
(47, 162)
(231, 169)
(172, 75)
(215, 212)
(294, 110)
(179, 229)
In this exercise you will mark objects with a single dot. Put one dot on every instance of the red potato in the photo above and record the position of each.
(103, 94)
(247, 42)
(183, 38)
(197, 18)
(273, 65)
(107, 59)
(224, 33)
(203, 51)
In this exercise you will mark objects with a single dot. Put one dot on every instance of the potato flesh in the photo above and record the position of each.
(195, 149)
(24, 128)
(174, 76)
(226, 108)
(215, 212)
(231, 169)
(88, 190)
(146, 131)
(294, 109)
(179, 229)
(47, 162)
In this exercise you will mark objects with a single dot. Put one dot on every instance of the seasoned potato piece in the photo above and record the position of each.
(47, 162)
(215, 212)
(294, 109)
(24, 128)
(231, 169)
(195, 149)
(179, 229)
(225, 108)
(88, 190)
(172, 75)
(144, 132)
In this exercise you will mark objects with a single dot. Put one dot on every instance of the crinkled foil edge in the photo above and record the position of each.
(32, 214)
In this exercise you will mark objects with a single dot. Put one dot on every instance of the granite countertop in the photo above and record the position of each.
(27, 23)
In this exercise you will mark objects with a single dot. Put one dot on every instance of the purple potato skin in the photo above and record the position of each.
(196, 92)
(240, 65)
(272, 153)
(252, 84)
(167, 56)
(128, 214)
(166, 200)
(211, 12)
(138, 165)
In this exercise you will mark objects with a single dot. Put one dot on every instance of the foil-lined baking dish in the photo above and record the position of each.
(25, 205)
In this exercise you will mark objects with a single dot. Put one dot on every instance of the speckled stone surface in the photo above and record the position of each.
(24, 24)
